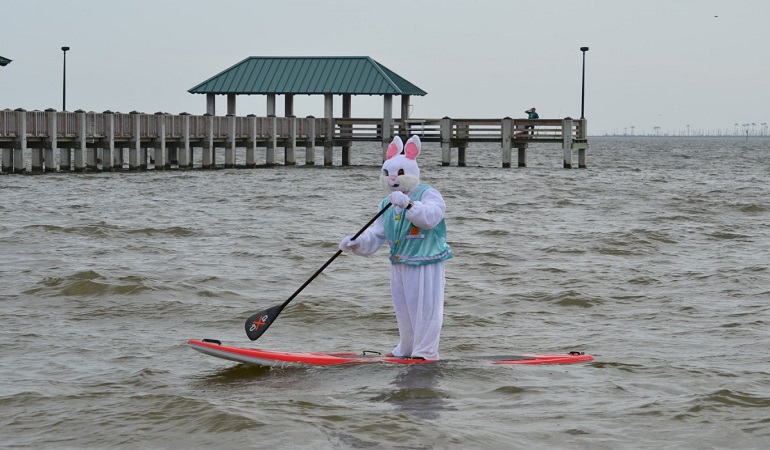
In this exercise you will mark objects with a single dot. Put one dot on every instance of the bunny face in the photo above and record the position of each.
(400, 171)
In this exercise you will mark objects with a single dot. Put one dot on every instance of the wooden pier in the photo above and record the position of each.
(52, 141)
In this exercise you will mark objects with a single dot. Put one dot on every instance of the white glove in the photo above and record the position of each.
(348, 244)
(399, 199)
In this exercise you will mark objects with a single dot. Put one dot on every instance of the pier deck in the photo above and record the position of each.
(52, 141)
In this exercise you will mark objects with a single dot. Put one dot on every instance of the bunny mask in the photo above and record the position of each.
(400, 171)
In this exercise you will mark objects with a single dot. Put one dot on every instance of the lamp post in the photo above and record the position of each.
(583, 92)
(64, 80)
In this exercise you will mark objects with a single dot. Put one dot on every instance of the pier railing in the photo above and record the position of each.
(38, 134)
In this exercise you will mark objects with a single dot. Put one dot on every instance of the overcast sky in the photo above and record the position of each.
(656, 63)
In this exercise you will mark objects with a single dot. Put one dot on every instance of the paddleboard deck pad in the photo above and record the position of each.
(260, 357)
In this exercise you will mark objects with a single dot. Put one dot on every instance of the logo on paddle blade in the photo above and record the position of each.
(258, 323)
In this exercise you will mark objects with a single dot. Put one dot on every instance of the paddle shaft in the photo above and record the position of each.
(258, 323)
(326, 264)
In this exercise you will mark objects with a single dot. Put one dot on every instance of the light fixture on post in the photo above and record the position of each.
(64, 80)
(583, 92)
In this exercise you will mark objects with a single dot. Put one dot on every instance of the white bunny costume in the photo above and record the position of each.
(415, 230)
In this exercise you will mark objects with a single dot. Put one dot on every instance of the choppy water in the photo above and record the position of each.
(654, 259)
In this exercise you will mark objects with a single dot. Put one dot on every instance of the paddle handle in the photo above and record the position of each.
(326, 264)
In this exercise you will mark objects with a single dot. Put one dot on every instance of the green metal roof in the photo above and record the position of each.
(357, 75)
(4, 61)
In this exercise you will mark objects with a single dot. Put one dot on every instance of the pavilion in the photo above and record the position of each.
(311, 75)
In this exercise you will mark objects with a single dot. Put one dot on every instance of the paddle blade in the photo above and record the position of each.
(257, 324)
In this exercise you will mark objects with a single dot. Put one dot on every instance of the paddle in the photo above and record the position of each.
(258, 323)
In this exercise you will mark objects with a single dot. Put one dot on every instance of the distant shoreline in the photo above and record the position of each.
(648, 136)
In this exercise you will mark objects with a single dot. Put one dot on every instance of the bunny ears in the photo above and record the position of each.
(412, 149)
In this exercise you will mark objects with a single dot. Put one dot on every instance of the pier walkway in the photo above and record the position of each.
(51, 141)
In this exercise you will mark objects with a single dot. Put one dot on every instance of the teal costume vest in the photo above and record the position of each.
(412, 245)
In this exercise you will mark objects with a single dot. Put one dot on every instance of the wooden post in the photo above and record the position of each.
(161, 161)
(462, 146)
(583, 143)
(446, 141)
(230, 145)
(108, 150)
(329, 132)
(136, 141)
(50, 151)
(185, 152)
(37, 151)
(208, 144)
(92, 156)
(310, 143)
(566, 132)
(211, 104)
(506, 128)
(7, 163)
(251, 145)
(19, 163)
(522, 148)
(65, 152)
(272, 140)
(289, 150)
(387, 123)
(81, 146)
(346, 130)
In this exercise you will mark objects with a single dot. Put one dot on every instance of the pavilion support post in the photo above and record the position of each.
(81, 146)
(387, 123)
(270, 105)
(288, 105)
(566, 132)
(506, 127)
(405, 131)
(251, 144)
(230, 144)
(272, 142)
(19, 163)
(329, 131)
(50, 150)
(310, 143)
(290, 143)
(230, 104)
(446, 141)
(346, 131)
(211, 104)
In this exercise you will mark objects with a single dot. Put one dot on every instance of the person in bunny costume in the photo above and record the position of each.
(415, 230)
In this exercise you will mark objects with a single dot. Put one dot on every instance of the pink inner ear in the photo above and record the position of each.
(411, 151)
(392, 151)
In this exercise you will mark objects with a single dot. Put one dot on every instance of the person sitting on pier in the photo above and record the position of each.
(415, 230)
(531, 115)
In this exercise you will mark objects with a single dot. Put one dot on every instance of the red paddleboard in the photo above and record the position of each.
(260, 357)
